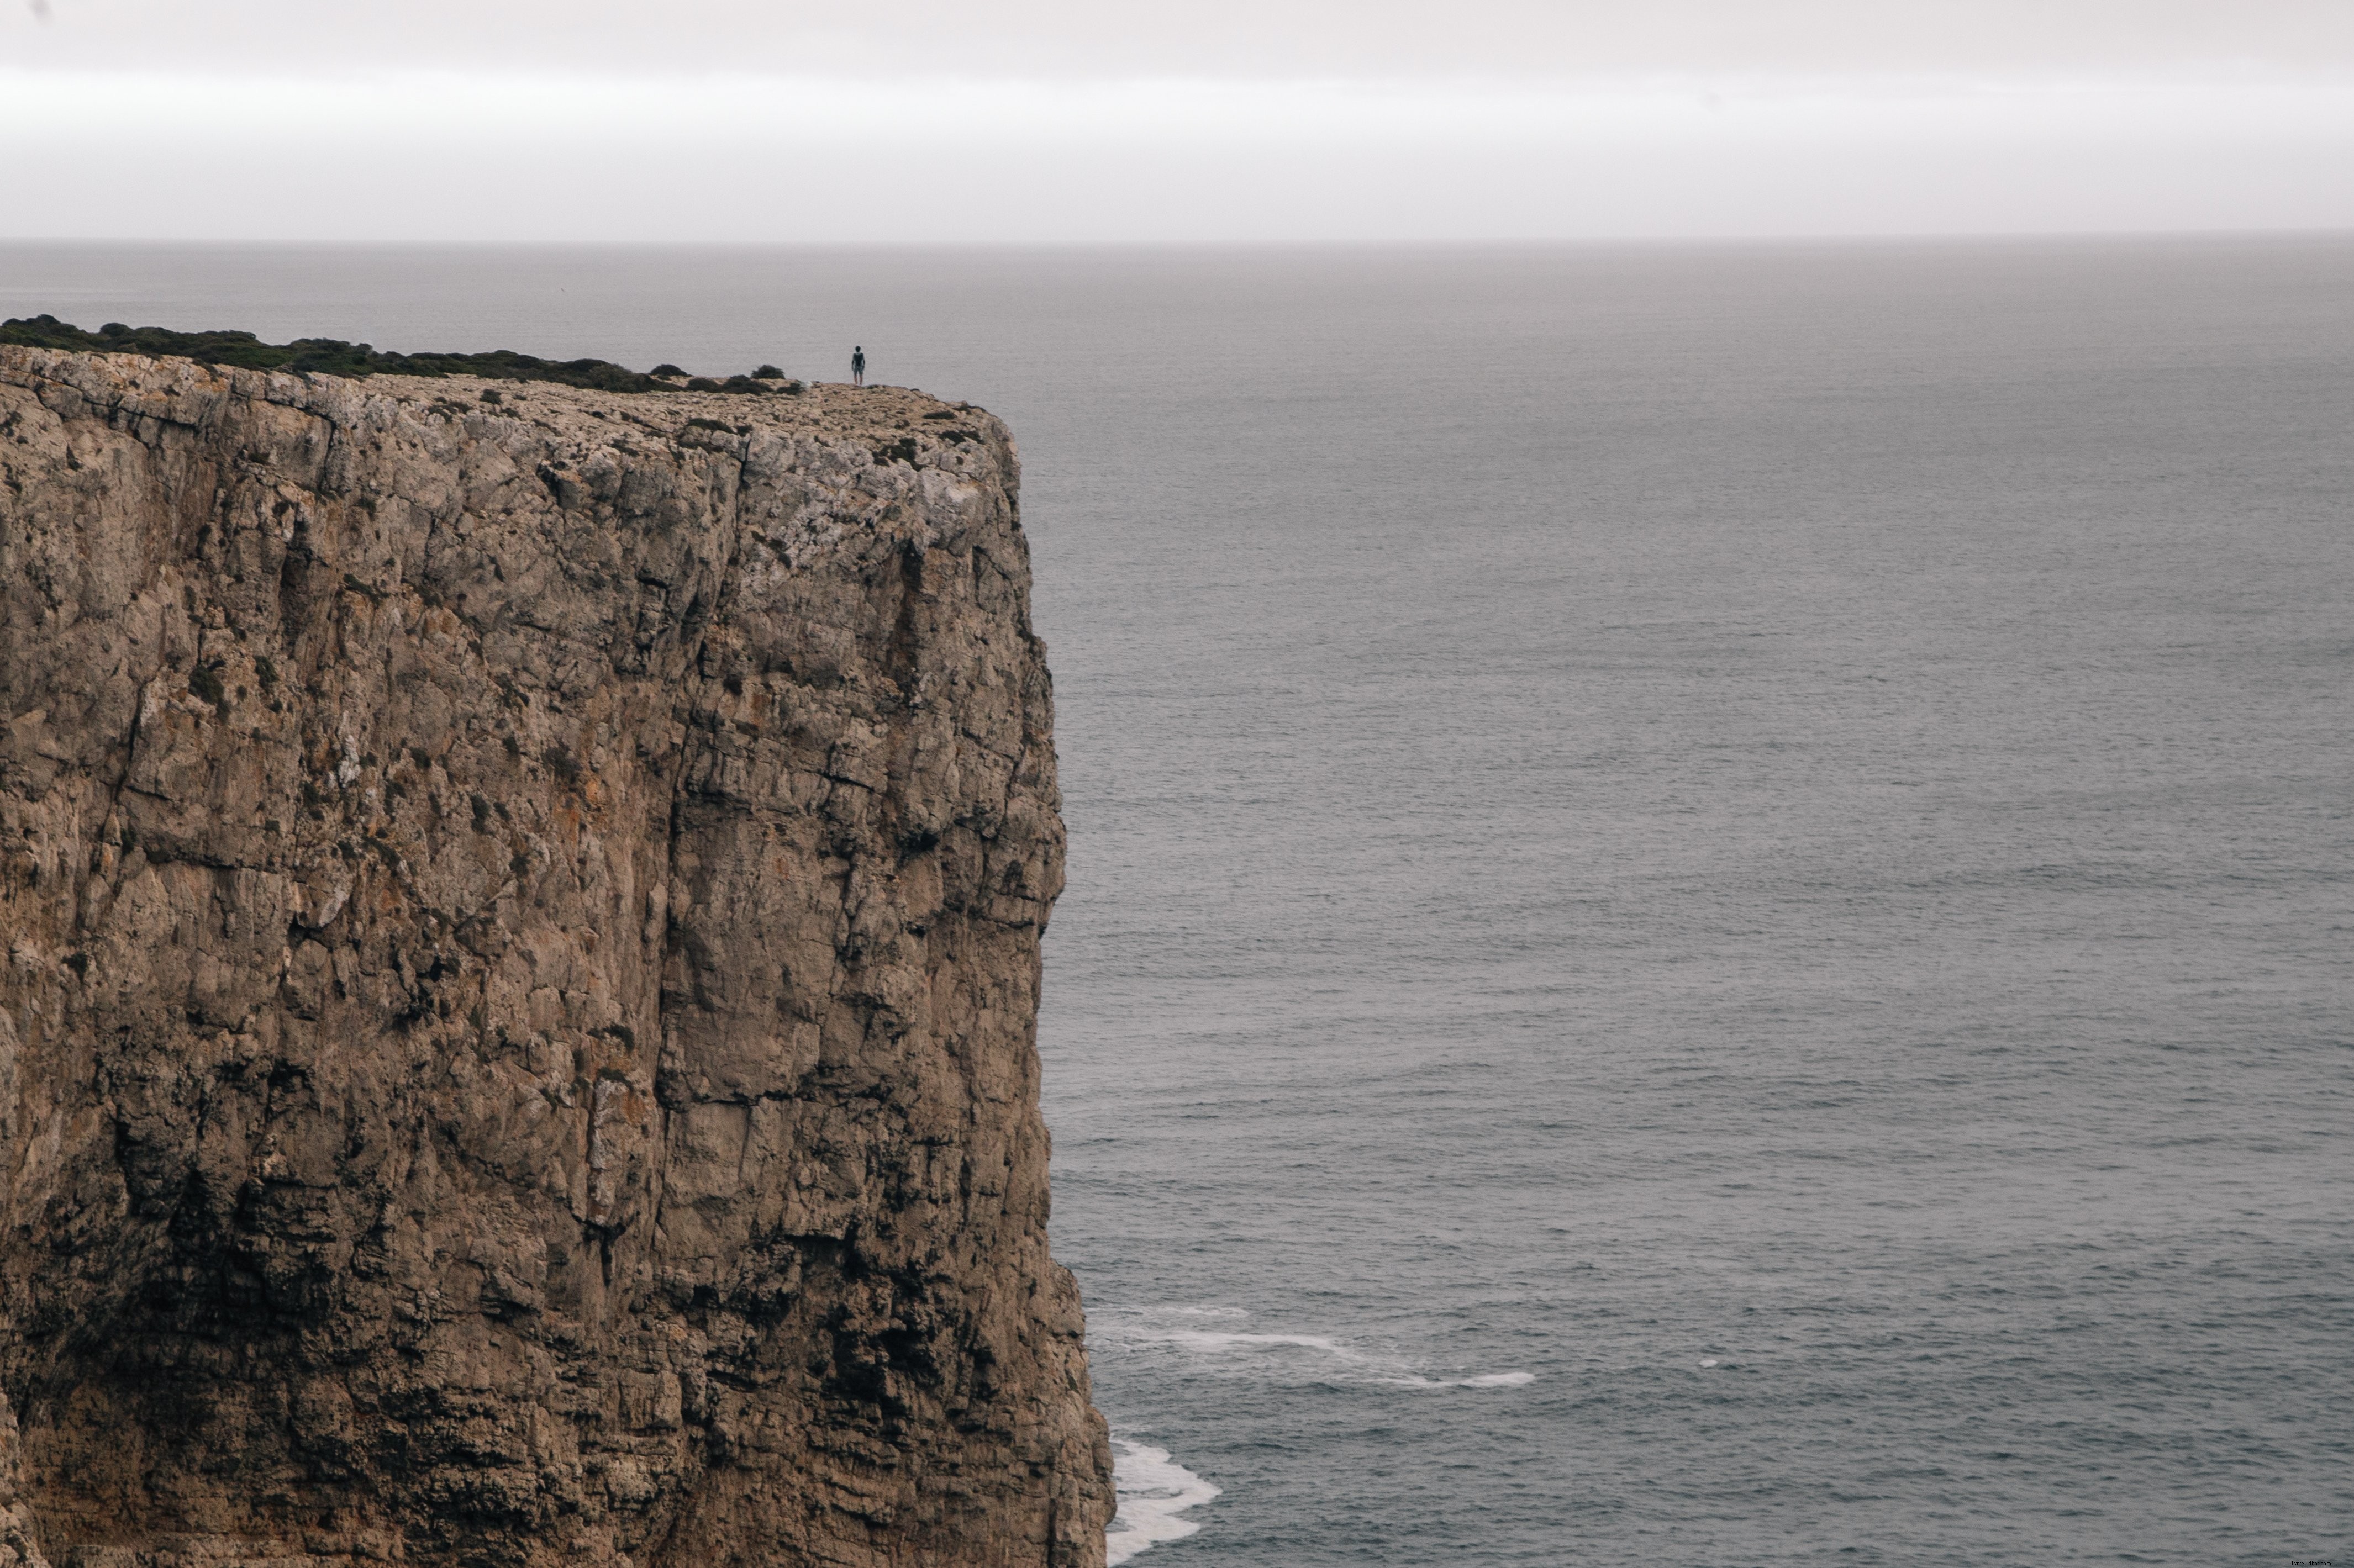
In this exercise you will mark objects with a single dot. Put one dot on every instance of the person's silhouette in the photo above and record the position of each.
(857, 365)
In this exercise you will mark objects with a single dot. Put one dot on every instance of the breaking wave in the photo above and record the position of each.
(1154, 1490)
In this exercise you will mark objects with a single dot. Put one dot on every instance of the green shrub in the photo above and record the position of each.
(332, 356)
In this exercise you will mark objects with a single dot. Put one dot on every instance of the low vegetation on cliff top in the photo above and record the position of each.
(332, 357)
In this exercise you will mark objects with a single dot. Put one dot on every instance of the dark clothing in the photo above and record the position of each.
(858, 369)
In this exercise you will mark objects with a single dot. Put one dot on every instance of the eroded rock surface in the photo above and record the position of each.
(521, 928)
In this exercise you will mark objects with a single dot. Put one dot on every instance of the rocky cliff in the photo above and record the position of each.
(517, 1036)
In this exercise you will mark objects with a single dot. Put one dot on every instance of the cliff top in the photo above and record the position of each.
(894, 422)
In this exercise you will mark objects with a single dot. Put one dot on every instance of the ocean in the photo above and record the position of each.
(1711, 885)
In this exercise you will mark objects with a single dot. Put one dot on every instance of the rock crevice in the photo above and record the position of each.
(522, 953)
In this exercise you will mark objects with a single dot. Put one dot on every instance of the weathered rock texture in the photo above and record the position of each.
(517, 1035)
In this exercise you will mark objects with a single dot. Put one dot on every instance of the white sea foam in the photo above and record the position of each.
(1266, 1354)
(1154, 1489)
(1485, 1380)
(1208, 1339)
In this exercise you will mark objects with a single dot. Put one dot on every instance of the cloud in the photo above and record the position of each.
(1257, 40)
(760, 157)
(766, 120)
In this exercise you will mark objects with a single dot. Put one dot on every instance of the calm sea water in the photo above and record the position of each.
(1710, 906)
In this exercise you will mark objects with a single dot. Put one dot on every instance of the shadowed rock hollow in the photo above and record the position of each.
(522, 930)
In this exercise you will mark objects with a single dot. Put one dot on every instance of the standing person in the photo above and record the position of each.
(857, 365)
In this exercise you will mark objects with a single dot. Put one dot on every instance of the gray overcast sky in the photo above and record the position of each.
(1186, 119)
(1384, 38)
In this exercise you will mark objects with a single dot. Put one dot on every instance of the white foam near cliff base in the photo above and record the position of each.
(1154, 1491)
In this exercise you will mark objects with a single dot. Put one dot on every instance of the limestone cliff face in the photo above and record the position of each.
(520, 930)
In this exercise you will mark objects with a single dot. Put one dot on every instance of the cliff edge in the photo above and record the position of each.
(517, 1030)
